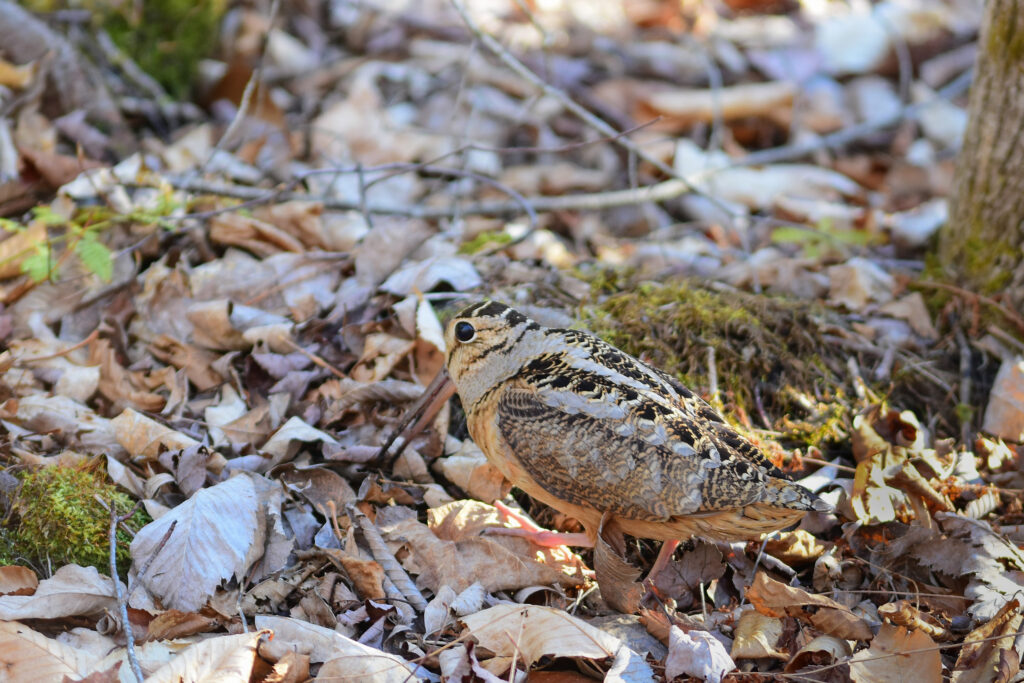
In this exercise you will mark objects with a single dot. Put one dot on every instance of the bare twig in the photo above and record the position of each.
(122, 599)
(583, 114)
(132, 585)
(405, 428)
(250, 90)
(117, 57)
(659, 192)
(85, 342)
(965, 384)
(852, 133)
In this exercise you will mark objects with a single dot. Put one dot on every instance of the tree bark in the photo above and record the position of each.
(982, 245)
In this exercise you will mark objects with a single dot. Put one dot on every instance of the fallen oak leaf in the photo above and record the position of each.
(895, 654)
(775, 599)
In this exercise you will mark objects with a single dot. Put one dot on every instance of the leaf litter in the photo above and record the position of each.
(229, 311)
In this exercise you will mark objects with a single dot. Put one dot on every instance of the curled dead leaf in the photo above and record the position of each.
(776, 599)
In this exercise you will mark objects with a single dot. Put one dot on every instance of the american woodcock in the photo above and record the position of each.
(596, 433)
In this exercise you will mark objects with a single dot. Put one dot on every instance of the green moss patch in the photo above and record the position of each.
(59, 520)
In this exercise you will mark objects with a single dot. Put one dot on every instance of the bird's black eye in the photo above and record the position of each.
(464, 332)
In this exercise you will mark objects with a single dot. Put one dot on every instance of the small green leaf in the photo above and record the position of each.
(95, 257)
(794, 235)
(37, 265)
(11, 226)
(48, 216)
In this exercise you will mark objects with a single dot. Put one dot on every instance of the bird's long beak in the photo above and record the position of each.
(419, 415)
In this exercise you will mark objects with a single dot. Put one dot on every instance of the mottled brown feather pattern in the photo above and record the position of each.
(589, 429)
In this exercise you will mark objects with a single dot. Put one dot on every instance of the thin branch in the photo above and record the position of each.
(132, 585)
(524, 72)
(122, 599)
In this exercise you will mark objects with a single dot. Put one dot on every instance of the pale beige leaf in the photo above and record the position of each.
(697, 653)
(344, 657)
(917, 658)
(532, 632)
(27, 655)
(222, 660)
(215, 530)
(143, 436)
(1004, 416)
(71, 591)
(16, 579)
(756, 636)
(748, 99)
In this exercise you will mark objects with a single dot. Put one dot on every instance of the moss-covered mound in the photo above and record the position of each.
(58, 519)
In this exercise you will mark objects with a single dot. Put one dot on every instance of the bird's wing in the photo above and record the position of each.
(592, 443)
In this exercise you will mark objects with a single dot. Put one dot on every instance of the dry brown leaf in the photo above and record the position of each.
(367, 576)
(381, 353)
(318, 485)
(72, 591)
(303, 221)
(833, 648)
(345, 658)
(19, 246)
(795, 547)
(291, 668)
(618, 579)
(223, 658)
(27, 655)
(197, 363)
(212, 326)
(262, 239)
(144, 437)
(130, 389)
(222, 532)
(916, 658)
(469, 469)
(15, 580)
(982, 651)
(757, 636)
(904, 613)
(460, 564)
(174, 624)
(775, 599)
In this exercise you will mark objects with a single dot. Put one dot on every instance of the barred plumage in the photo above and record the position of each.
(589, 430)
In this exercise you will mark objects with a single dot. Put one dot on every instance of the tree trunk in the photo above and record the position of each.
(982, 245)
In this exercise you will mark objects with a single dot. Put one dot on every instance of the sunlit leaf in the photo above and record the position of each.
(95, 257)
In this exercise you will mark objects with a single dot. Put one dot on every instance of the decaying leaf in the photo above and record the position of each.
(531, 632)
(775, 599)
(994, 566)
(227, 658)
(72, 591)
(895, 654)
(697, 653)
(220, 532)
(757, 636)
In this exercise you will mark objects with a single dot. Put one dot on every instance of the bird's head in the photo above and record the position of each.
(487, 342)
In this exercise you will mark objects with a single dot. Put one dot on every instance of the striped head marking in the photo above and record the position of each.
(485, 343)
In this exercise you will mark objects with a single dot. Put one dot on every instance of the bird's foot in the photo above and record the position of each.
(529, 530)
(543, 537)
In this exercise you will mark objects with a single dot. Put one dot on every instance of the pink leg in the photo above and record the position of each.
(664, 557)
(530, 531)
